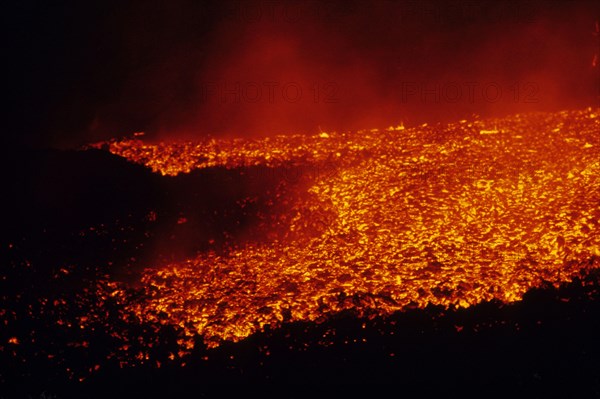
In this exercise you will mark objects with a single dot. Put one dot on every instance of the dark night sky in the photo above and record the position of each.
(94, 70)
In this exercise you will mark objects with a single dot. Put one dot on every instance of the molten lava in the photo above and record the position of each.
(451, 215)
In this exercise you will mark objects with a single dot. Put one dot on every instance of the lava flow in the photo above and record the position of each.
(398, 218)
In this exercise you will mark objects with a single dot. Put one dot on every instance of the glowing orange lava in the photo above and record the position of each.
(450, 214)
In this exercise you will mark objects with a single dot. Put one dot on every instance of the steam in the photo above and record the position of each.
(184, 70)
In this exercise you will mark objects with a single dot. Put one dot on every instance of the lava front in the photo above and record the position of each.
(397, 218)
